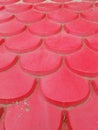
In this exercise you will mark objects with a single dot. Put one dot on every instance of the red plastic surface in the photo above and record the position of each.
(16, 44)
(85, 117)
(41, 62)
(5, 16)
(17, 27)
(45, 28)
(40, 116)
(79, 6)
(48, 65)
(18, 8)
(30, 16)
(69, 89)
(63, 15)
(84, 62)
(47, 7)
(57, 43)
(81, 27)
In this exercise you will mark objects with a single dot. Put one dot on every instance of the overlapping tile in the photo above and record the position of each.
(62, 1)
(34, 114)
(81, 27)
(91, 14)
(18, 8)
(30, 16)
(33, 1)
(63, 43)
(85, 117)
(5, 16)
(64, 88)
(83, 62)
(16, 44)
(6, 60)
(7, 2)
(92, 42)
(63, 15)
(48, 58)
(47, 7)
(45, 28)
(40, 62)
(79, 6)
(10, 91)
(11, 27)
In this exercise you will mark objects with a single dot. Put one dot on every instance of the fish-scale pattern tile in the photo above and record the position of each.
(30, 16)
(83, 62)
(81, 27)
(48, 65)
(34, 114)
(5, 16)
(8, 79)
(45, 28)
(7, 2)
(63, 15)
(17, 44)
(47, 7)
(61, 1)
(17, 27)
(63, 43)
(79, 6)
(85, 117)
(6, 60)
(69, 89)
(91, 14)
(33, 1)
(92, 42)
(18, 8)
(40, 62)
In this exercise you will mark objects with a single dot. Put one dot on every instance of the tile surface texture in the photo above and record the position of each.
(48, 65)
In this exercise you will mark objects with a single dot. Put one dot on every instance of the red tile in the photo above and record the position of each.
(6, 60)
(53, 82)
(18, 8)
(92, 42)
(45, 28)
(61, 1)
(6, 2)
(63, 43)
(33, 1)
(30, 16)
(16, 44)
(5, 16)
(34, 113)
(91, 14)
(81, 27)
(84, 62)
(85, 117)
(20, 84)
(5, 28)
(79, 6)
(47, 7)
(40, 62)
(64, 88)
(63, 15)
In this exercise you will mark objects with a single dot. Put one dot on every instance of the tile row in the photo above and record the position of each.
(37, 113)
(46, 27)
(48, 66)
(40, 1)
